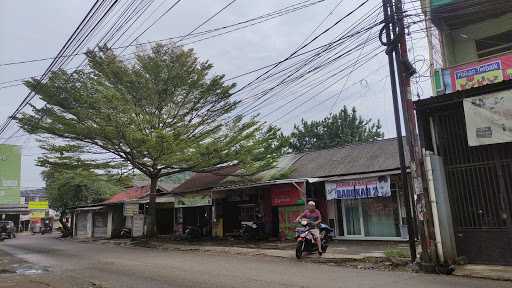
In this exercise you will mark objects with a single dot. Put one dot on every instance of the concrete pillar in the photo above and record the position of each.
(109, 224)
(90, 226)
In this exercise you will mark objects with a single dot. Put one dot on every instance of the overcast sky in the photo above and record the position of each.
(38, 29)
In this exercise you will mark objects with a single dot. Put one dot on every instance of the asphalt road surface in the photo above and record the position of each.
(73, 264)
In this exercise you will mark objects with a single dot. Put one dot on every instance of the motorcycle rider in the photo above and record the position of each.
(314, 216)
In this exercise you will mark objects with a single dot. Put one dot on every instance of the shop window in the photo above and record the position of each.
(379, 217)
(494, 45)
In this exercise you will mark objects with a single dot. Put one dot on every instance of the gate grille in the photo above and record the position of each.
(479, 178)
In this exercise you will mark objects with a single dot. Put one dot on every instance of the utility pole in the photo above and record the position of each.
(391, 43)
(405, 71)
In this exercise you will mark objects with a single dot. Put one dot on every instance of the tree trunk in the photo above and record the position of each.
(151, 231)
(66, 230)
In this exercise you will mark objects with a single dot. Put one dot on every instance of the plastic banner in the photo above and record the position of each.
(357, 189)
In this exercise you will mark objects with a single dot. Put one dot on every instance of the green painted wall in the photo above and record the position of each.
(10, 169)
(459, 50)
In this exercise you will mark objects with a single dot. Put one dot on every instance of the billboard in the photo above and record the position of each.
(38, 205)
(489, 118)
(473, 75)
(10, 169)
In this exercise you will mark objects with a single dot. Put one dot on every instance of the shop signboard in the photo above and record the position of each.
(193, 200)
(138, 225)
(358, 189)
(489, 118)
(130, 209)
(474, 74)
(38, 214)
(38, 205)
(286, 195)
(10, 167)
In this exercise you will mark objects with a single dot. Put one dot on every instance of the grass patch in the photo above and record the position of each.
(397, 253)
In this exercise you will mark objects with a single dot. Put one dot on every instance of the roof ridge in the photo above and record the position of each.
(353, 144)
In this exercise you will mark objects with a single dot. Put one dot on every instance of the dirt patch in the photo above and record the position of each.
(369, 263)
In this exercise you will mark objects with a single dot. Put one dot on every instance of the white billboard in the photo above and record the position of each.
(489, 118)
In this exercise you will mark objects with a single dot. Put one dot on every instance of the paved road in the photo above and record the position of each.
(73, 264)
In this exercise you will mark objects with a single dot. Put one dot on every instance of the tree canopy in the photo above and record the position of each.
(163, 113)
(73, 181)
(342, 128)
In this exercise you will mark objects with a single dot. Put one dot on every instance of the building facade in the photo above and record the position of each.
(356, 188)
(468, 121)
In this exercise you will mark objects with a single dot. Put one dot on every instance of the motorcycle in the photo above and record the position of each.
(126, 232)
(306, 241)
(192, 233)
(4, 232)
(253, 230)
(46, 229)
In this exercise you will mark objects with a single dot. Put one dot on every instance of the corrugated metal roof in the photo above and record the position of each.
(379, 155)
(201, 181)
(280, 170)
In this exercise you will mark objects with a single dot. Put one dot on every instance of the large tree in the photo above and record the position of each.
(342, 128)
(163, 113)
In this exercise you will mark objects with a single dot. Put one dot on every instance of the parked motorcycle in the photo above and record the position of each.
(46, 229)
(126, 232)
(7, 228)
(192, 233)
(306, 240)
(253, 230)
(4, 232)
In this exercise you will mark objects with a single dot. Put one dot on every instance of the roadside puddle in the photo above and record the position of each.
(29, 269)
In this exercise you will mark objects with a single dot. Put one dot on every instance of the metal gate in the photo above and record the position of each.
(479, 183)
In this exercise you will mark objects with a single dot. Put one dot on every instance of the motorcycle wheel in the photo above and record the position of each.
(246, 235)
(298, 249)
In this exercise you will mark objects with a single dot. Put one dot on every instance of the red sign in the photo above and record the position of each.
(286, 194)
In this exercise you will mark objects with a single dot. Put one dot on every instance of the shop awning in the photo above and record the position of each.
(162, 199)
(14, 210)
(266, 183)
(193, 200)
(91, 208)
